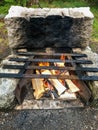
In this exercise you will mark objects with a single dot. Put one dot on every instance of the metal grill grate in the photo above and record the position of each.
(55, 57)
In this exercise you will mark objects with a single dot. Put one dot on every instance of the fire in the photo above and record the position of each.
(62, 57)
(48, 85)
(58, 86)
(61, 64)
(43, 64)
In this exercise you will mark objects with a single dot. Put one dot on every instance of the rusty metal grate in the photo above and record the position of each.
(80, 71)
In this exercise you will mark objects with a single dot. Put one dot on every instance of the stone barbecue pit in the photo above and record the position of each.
(51, 64)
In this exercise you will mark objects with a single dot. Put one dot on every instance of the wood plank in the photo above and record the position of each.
(59, 86)
(70, 84)
(68, 96)
(84, 92)
(38, 87)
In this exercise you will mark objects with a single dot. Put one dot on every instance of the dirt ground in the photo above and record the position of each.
(64, 119)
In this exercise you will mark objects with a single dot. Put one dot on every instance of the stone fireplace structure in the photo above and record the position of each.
(56, 27)
(30, 28)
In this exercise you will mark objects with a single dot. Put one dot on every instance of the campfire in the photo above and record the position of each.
(49, 65)
(53, 75)
(54, 88)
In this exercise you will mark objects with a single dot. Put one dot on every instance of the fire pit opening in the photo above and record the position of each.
(52, 75)
(48, 67)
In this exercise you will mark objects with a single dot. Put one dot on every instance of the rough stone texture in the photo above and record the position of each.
(49, 27)
(49, 104)
(7, 86)
(94, 58)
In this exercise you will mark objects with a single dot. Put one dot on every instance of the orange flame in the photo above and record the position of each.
(43, 64)
(48, 85)
(63, 57)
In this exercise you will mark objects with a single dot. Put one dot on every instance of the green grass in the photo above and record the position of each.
(62, 3)
(1, 24)
(4, 7)
(95, 24)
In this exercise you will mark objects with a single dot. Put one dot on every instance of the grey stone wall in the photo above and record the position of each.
(47, 27)
(7, 86)
(94, 84)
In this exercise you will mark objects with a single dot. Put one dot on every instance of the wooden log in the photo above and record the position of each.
(58, 86)
(71, 85)
(68, 96)
(38, 88)
(48, 85)
(84, 92)
(59, 64)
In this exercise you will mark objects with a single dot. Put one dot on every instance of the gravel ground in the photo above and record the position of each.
(65, 119)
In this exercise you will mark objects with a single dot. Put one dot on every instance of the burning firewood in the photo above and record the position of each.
(59, 64)
(38, 88)
(84, 92)
(56, 83)
(68, 95)
(48, 86)
(43, 63)
(71, 85)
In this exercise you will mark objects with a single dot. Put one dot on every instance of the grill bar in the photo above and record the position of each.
(50, 54)
(86, 69)
(70, 67)
(30, 76)
(51, 60)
